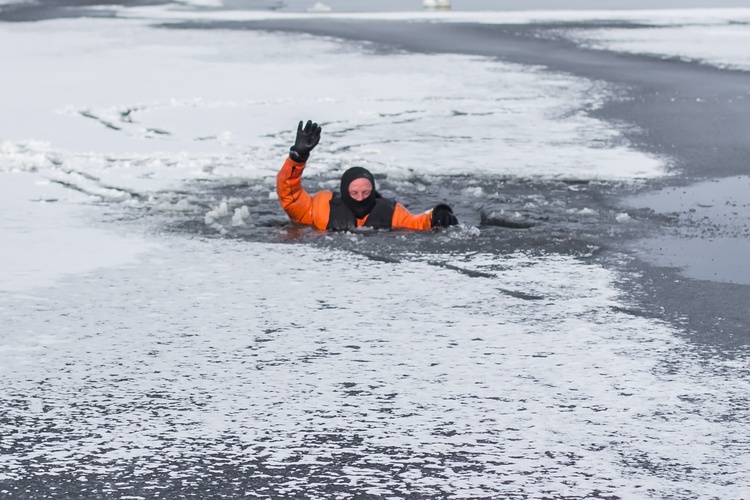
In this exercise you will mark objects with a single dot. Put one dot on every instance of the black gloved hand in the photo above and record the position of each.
(307, 139)
(442, 216)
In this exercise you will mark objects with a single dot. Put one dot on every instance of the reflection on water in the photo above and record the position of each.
(721, 200)
(710, 238)
(715, 259)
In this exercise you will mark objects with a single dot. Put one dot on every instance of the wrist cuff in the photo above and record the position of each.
(294, 155)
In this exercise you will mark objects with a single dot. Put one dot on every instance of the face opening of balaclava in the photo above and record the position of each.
(360, 208)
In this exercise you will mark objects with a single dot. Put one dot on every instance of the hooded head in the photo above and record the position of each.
(359, 207)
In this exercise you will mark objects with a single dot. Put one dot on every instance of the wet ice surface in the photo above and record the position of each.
(708, 236)
(222, 353)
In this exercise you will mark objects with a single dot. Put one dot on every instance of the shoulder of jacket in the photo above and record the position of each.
(323, 196)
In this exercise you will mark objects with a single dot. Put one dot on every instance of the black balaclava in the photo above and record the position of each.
(360, 208)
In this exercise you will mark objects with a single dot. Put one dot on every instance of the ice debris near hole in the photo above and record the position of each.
(477, 191)
(221, 211)
(582, 211)
(623, 217)
(179, 206)
(462, 232)
(240, 214)
(319, 7)
(238, 217)
(437, 4)
(202, 3)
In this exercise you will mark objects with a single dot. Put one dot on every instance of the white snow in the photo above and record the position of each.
(723, 45)
(47, 234)
(223, 109)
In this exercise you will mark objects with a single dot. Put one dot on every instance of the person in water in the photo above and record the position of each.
(358, 204)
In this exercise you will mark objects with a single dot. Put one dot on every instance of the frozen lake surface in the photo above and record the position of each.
(165, 333)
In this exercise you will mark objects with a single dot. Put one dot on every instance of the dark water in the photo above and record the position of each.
(551, 216)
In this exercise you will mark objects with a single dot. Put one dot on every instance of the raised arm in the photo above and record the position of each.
(295, 201)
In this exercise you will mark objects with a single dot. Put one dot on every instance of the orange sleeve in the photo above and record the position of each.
(402, 218)
(296, 202)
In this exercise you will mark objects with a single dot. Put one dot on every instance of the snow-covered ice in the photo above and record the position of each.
(129, 352)
(219, 347)
(47, 233)
(715, 36)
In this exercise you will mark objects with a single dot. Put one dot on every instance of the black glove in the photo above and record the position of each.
(442, 216)
(307, 139)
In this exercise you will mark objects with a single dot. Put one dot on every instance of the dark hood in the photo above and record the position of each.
(360, 208)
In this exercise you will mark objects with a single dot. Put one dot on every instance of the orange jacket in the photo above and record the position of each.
(314, 210)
